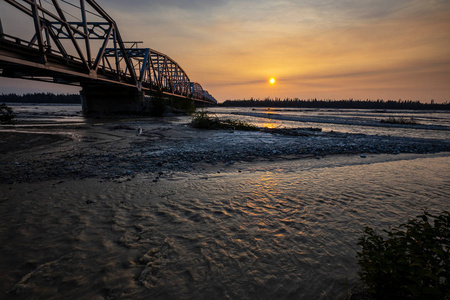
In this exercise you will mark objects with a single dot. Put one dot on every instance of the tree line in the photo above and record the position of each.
(41, 98)
(345, 103)
(267, 102)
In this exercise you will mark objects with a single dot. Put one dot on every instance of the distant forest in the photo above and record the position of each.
(268, 102)
(41, 98)
(349, 103)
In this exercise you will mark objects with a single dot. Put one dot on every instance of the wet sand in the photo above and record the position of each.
(79, 206)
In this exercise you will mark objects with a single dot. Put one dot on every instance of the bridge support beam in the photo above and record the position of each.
(112, 99)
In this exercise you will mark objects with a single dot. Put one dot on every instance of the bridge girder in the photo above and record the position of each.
(88, 48)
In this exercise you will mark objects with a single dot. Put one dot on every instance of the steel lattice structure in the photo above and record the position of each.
(84, 46)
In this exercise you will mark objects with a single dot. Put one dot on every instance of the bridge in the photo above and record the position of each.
(80, 44)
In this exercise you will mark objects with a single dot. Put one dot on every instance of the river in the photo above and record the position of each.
(281, 229)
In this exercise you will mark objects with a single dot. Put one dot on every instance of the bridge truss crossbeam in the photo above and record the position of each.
(81, 44)
(154, 70)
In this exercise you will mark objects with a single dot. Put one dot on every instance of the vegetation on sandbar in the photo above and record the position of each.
(203, 120)
(7, 115)
(401, 121)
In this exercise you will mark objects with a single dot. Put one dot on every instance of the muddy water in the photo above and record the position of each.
(259, 231)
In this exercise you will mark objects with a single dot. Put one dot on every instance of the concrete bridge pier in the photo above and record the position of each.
(112, 99)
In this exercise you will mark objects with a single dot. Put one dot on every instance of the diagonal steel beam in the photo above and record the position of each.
(38, 29)
(117, 39)
(86, 39)
(70, 32)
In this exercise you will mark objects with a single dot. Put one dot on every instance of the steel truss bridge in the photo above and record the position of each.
(80, 44)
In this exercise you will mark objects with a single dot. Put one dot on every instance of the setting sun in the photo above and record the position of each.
(272, 80)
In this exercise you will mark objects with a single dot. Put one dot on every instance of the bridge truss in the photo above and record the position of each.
(80, 44)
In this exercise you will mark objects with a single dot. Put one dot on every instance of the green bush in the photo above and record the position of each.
(203, 120)
(7, 115)
(411, 262)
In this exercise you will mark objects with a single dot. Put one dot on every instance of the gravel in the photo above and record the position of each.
(114, 152)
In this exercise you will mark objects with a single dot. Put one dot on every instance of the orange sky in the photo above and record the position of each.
(321, 49)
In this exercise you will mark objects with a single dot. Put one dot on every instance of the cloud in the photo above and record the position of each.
(311, 46)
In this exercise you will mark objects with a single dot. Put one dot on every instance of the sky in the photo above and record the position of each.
(324, 49)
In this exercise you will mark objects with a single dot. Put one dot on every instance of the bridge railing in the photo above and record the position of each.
(25, 44)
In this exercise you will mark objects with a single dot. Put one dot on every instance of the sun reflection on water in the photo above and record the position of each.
(270, 125)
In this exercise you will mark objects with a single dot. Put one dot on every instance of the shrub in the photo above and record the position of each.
(412, 262)
(7, 115)
(238, 125)
(393, 120)
(203, 120)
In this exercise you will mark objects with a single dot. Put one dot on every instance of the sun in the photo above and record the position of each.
(272, 80)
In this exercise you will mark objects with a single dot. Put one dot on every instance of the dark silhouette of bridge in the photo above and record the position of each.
(80, 44)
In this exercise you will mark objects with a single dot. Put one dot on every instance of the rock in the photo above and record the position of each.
(363, 155)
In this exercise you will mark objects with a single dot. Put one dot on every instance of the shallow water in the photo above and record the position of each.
(431, 124)
(47, 114)
(272, 230)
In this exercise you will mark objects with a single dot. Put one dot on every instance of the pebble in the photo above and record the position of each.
(117, 163)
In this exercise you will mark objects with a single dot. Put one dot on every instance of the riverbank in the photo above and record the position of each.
(115, 150)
